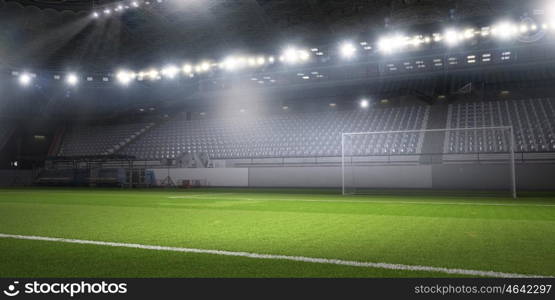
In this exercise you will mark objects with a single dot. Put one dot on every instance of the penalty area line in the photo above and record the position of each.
(340, 262)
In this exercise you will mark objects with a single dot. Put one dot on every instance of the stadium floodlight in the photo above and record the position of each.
(385, 45)
(290, 55)
(348, 50)
(504, 30)
(107, 11)
(451, 37)
(364, 103)
(391, 44)
(204, 66)
(25, 79)
(261, 60)
(135, 4)
(125, 77)
(170, 71)
(95, 14)
(72, 79)
(437, 37)
(293, 55)
(187, 69)
(304, 55)
(153, 74)
(252, 62)
(534, 27)
(230, 63)
(468, 33)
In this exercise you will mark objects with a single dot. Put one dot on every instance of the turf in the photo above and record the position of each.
(453, 232)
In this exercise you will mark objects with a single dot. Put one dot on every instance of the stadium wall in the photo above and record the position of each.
(16, 177)
(446, 176)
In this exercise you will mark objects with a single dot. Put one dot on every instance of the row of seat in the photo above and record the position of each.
(532, 120)
(283, 135)
(100, 139)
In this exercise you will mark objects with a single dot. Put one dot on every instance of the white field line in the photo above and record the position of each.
(378, 265)
(199, 195)
(363, 201)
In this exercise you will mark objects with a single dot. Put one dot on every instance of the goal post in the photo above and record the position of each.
(480, 160)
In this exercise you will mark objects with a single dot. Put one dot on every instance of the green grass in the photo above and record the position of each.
(440, 231)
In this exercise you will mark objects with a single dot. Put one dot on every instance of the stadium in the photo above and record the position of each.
(264, 139)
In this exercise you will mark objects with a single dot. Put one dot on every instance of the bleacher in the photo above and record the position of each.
(83, 140)
(6, 130)
(532, 120)
(283, 135)
(289, 135)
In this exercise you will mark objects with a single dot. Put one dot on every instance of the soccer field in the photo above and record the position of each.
(271, 233)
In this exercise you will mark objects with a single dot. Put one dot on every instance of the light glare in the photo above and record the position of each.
(72, 79)
(25, 79)
(348, 50)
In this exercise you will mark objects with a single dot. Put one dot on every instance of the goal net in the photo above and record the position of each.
(451, 160)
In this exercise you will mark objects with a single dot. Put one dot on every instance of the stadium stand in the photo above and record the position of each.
(319, 134)
(283, 135)
(6, 130)
(100, 139)
(534, 127)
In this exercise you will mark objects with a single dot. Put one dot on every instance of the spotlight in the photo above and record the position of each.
(107, 11)
(135, 4)
(187, 69)
(125, 77)
(391, 44)
(170, 71)
(72, 79)
(261, 60)
(384, 45)
(252, 61)
(468, 33)
(304, 55)
(153, 74)
(205, 66)
(25, 79)
(437, 37)
(230, 63)
(95, 15)
(451, 37)
(504, 30)
(348, 50)
(292, 55)
(364, 103)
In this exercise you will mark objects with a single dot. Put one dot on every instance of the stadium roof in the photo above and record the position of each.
(58, 34)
